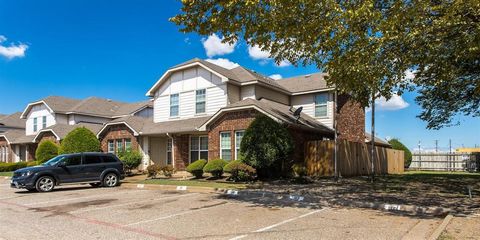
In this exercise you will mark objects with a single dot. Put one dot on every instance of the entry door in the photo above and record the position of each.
(158, 150)
(23, 153)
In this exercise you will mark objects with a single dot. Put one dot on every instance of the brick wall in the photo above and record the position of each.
(181, 151)
(49, 136)
(350, 120)
(229, 122)
(31, 151)
(4, 143)
(117, 132)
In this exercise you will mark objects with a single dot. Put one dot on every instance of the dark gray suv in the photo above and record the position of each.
(98, 169)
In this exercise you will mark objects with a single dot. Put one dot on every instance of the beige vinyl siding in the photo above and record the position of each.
(262, 92)
(38, 111)
(307, 101)
(247, 92)
(185, 83)
(233, 93)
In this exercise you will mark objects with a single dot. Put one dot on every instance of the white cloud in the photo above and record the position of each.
(256, 53)
(13, 50)
(275, 76)
(394, 103)
(409, 74)
(284, 63)
(223, 62)
(213, 46)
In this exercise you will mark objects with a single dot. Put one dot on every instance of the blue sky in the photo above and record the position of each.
(97, 48)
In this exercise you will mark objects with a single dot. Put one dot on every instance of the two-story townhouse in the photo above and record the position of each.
(54, 117)
(201, 111)
(14, 126)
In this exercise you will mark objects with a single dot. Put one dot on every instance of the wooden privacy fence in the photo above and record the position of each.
(354, 159)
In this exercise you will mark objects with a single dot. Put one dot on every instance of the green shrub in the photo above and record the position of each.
(196, 168)
(46, 150)
(397, 145)
(130, 159)
(239, 171)
(80, 140)
(215, 167)
(32, 163)
(9, 167)
(153, 170)
(299, 170)
(266, 146)
(168, 171)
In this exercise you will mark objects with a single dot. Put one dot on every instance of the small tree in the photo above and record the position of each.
(80, 140)
(130, 159)
(266, 146)
(46, 150)
(397, 145)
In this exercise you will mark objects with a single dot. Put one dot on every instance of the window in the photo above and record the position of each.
(119, 143)
(200, 101)
(2, 154)
(92, 159)
(128, 144)
(198, 148)
(73, 160)
(169, 151)
(44, 122)
(238, 141)
(174, 105)
(34, 124)
(108, 159)
(225, 146)
(321, 105)
(111, 146)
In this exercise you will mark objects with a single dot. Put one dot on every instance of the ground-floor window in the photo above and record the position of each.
(128, 144)
(238, 140)
(198, 148)
(169, 151)
(119, 145)
(111, 146)
(3, 153)
(225, 146)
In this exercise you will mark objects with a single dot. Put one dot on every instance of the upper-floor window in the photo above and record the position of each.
(200, 101)
(174, 105)
(321, 104)
(44, 121)
(35, 126)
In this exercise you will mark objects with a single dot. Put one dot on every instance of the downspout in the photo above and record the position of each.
(335, 105)
(173, 149)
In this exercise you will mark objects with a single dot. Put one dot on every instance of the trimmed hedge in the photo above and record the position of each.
(80, 140)
(215, 167)
(9, 167)
(130, 159)
(196, 168)
(46, 150)
(240, 171)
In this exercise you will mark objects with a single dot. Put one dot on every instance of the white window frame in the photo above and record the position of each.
(230, 147)
(125, 144)
(44, 122)
(169, 151)
(199, 149)
(325, 104)
(177, 105)
(35, 124)
(237, 149)
(111, 150)
(117, 149)
(199, 102)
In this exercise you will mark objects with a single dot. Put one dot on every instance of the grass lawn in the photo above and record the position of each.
(6, 174)
(195, 183)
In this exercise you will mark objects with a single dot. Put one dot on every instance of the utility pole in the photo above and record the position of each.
(372, 138)
(419, 154)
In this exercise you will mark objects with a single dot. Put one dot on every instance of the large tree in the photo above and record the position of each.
(368, 47)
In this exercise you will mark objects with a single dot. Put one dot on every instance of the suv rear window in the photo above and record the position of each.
(91, 159)
(109, 159)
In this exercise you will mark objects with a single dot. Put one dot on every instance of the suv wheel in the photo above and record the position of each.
(110, 180)
(45, 184)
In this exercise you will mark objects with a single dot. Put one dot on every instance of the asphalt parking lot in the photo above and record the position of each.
(82, 212)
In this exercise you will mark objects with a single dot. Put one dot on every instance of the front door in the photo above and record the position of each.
(72, 171)
(158, 152)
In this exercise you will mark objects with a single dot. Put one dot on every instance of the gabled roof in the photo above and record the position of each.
(16, 136)
(93, 106)
(305, 83)
(61, 130)
(277, 111)
(12, 120)
(146, 126)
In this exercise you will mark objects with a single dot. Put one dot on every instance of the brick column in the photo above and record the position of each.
(181, 151)
(350, 117)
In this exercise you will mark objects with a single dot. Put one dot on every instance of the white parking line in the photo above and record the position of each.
(71, 199)
(168, 216)
(278, 224)
(135, 202)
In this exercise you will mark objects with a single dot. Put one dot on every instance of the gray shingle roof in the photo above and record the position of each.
(63, 129)
(16, 136)
(13, 120)
(378, 141)
(304, 83)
